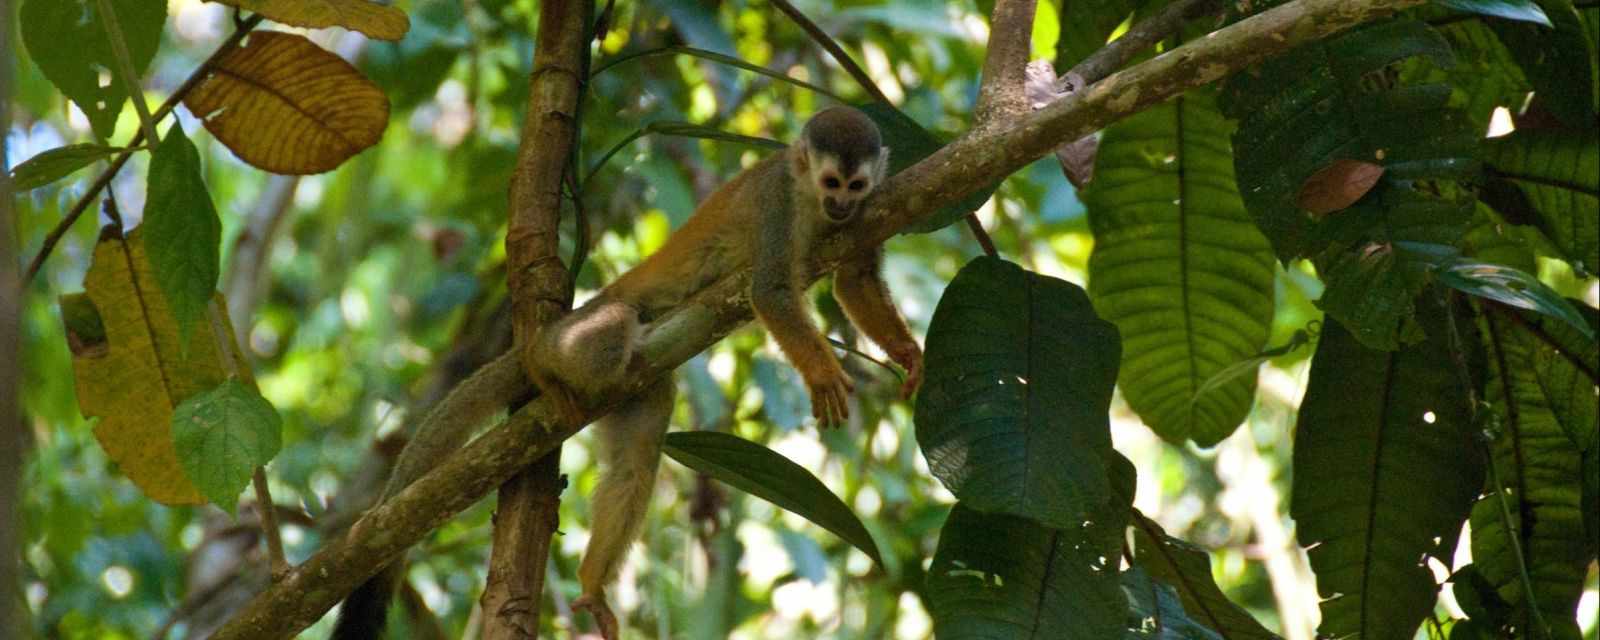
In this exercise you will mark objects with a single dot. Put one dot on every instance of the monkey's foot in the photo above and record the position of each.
(603, 618)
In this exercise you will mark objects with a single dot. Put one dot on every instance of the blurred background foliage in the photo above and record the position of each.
(373, 274)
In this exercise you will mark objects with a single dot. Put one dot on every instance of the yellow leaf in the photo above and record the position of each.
(131, 370)
(286, 105)
(376, 20)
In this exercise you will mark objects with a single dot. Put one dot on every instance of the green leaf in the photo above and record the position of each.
(1156, 612)
(1524, 10)
(1484, 77)
(181, 231)
(1179, 267)
(1558, 62)
(55, 164)
(1537, 467)
(1329, 100)
(1384, 474)
(765, 474)
(1550, 180)
(1186, 569)
(1495, 282)
(222, 435)
(1012, 415)
(908, 144)
(1087, 27)
(1001, 576)
(67, 39)
(1591, 499)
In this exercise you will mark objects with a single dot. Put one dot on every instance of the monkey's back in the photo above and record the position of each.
(719, 237)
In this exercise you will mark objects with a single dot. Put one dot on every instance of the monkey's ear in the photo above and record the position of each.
(883, 163)
(800, 158)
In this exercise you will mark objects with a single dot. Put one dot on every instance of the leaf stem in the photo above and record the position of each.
(129, 76)
(104, 179)
(268, 512)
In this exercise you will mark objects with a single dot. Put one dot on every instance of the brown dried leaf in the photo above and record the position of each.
(376, 20)
(1338, 185)
(285, 105)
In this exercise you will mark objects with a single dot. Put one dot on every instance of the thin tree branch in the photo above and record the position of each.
(268, 514)
(105, 177)
(956, 170)
(1137, 40)
(832, 47)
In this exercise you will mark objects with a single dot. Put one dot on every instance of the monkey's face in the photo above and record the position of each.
(842, 184)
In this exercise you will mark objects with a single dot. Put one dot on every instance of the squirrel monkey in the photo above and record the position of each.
(766, 216)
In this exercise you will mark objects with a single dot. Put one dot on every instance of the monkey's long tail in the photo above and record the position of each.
(630, 452)
(365, 610)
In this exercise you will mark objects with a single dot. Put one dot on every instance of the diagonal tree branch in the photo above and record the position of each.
(960, 168)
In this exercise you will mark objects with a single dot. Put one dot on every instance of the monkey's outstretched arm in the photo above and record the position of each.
(858, 286)
(775, 294)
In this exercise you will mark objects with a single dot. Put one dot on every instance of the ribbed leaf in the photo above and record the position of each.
(182, 232)
(286, 105)
(765, 474)
(1550, 180)
(376, 20)
(1012, 413)
(1384, 474)
(222, 435)
(1187, 569)
(1000, 576)
(1539, 491)
(1179, 267)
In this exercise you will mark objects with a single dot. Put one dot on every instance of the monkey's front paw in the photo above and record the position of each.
(603, 618)
(830, 396)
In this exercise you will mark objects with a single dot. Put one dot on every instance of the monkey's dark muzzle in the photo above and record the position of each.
(838, 211)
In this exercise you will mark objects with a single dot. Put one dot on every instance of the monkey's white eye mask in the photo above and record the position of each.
(841, 195)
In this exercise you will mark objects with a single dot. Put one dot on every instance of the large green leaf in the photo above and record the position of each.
(1187, 569)
(1179, 267)
(1001, 576)
(1333, 99)
(1538, 491)
(908, 144)
(68, 40)
(765, 474)
(181, 230)
(1550, 180)
(1012, 413)
(1384, 474)
(1559, 62)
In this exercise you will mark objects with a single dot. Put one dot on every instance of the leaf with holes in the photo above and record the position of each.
(222, 435)
(283, 104)
(1179, 267)
(57, 163)
(1384, 474)
(182, 232)
(376, 20)
(1012, 415)
(68, 40)
(765, 474)
(131, 368)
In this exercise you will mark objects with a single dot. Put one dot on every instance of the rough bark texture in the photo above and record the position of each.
(960, 168)
(1004, 68)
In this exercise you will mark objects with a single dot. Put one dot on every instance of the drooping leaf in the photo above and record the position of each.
(1559, 62)
(1500, 283)
(1155, 611)
(1550, 180)
(131, 369)
(1491, 239)
(1179, 267)
(765, 474)
(181, 230)
(55, 164)
(68, 40)
(1012, 415)
(376, 20)
(1537, 490)
(1329, 100)
(286, 105)
(1001, 576)
(1524, 10)
(1384, 474)
(1186, 569)
(908, 144)
(222, 435)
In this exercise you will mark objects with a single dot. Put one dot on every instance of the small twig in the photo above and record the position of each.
(265, 509)
(129, 76)
(832, 47)
(105, 177)
(983, 236)
(1139, 38)
(899, 376)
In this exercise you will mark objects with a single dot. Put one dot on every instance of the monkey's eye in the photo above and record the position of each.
(830, 182)
(857, 185)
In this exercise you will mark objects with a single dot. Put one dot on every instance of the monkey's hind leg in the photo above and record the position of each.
(584, 352)
(630, 452)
